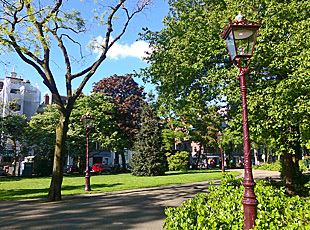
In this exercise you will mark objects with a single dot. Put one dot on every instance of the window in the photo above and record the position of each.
(15, 91)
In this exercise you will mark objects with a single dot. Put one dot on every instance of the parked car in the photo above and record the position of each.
(101, 167)
(71, 169)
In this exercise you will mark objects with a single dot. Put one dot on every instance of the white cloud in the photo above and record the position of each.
(117, 51)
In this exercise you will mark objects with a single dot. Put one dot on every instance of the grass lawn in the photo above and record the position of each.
(16, 188)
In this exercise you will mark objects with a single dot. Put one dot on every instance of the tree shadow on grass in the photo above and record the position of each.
(18, 194)
(12, 178)
(94, 186)
(192, 172)
(105, 185)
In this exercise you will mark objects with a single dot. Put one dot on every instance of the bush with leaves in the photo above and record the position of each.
(177, 161)
(222, 208)
(43, 166)
(303, 165)
(276, 166)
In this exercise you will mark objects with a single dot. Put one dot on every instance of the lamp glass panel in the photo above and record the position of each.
(231, 45)
(84, 122)
(244, 39)
(88, 122)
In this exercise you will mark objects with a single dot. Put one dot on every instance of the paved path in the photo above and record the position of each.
(140, 209)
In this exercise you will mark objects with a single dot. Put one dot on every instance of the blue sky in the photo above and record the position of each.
(123, 58)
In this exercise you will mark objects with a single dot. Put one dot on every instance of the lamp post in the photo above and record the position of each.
(220, 138)
(240, 38)
(87, 123)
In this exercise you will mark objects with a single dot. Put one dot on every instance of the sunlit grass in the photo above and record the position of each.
(15, 188)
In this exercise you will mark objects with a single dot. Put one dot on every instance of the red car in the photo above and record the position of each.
(100, 167)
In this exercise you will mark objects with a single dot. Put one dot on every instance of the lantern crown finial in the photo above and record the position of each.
(240, 37)
(87, 121)
(240, 17)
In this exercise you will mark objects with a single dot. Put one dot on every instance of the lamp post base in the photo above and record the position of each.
(87, 182)
(222, 158)
(250, 212)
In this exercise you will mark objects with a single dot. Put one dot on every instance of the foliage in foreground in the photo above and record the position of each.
(276, 166)
(301, 183)
(222, 208)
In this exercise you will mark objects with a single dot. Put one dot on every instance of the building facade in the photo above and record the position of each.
(18, 96)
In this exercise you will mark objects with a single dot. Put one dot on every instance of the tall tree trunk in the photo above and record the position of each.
(268, 154)
(290, 172)
(59, 158)
(15, 158)
(124, 169)
(255, 155)
(287, 172)
(19, 164)
(198, 158)
(81, 165)
(116, 159)
(290, 168)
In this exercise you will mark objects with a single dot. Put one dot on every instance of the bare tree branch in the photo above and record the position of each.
(30, 62)
(96, 64)
(71, 39)
(45, 47)
(67, 61)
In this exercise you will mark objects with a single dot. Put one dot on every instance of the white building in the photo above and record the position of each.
(28, 97)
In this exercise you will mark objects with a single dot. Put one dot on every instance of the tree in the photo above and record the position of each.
(42, 138)
(174, 131)
(42, 128)
(3, 138)
(186, 55)
(194, 125)
(104, 127)
(51, 27)
(148, 158)
(205, 125)
(191, 67)
(15, 130)
(127, 97)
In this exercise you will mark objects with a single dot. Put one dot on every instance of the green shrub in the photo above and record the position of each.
(302, 165)
(307, 185)
(222, 209)
(43, 166)
(276, 166)
(177, 161)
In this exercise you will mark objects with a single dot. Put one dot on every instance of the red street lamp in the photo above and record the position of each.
(220, 138)
(87, 123)
(240, 38)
